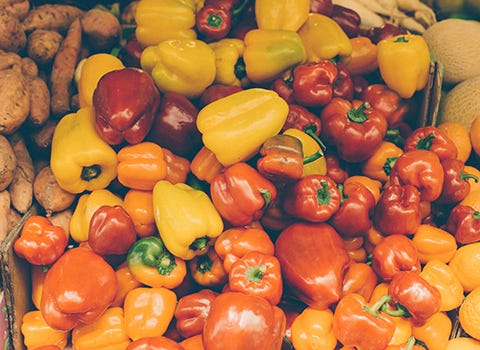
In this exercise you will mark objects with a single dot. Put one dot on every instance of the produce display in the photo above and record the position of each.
(241, 174)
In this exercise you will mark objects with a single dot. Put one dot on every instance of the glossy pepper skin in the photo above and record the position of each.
(455, 182)
(80, 159)
(40, 241)
(205, 165)
(464, 223)
(37, 333)
(284, 14)
(404, 63)
(213, 22)
(224, 123)
(348, 19)
(398, 210)
(302, 119)
(139, 206)
(363, 59)
(126, 282)
(70, 292)
(314, 259)
(207, 269)
(380, 164)
(154, 343)
(313, 326)
(360, 278)
(241, 194)
(186, 219)
(125, 102)
(315, 198)
(356, 131)
(432, 139)
(229, 62)
(241, 321)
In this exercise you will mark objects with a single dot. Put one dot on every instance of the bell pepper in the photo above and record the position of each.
(314, 260)
(141, 166)
(356, 131)
(432, 139)
(315, 198)
(313, 83)
(90, 71)
(154, 343)
(241, 194)
(130, 52)
(398, 210)
(107, 332)
(343, 86)
(415, 295)
(175, 127)
(380, 164)
(269, 53)
(80, 159)
(435, 333)
(275, 218)
(193, 343)
(393, 254)
(214, 21)
(464, 224)
(422, 169)
(157, 21)
(385, 31)
(111, 231)
(348, 19)
(356, 323)
(283, 86)
(323, 38)
(148, 311)
(360, 278)
(40, 242)
(455, 185)
(472, 199)
(178, 167)
(38, 274)
(357, 204)
(71, 289)
(314, 162)
(441, 276)
(126, 113)
(312, 329)
(258, 113)
(324, 7)
(402, 338)
(404, 63)
(87, 205)
(229, 62)
(126, 282)
(36, 332)
(335, 167)
(205, 166)
(302, 119)
(434, 243)
(139, 205)
(186, 219)
(173, 63)
(207, 269)
(215, 92)
(242, 321)
(258, 274)
(363, 59)
(153, 265)
(355, 248)
(284, 14)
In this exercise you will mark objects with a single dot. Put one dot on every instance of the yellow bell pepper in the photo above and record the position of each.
(186, 219)
(235, 127)
(230, 68)
(38, 273)
(323, 38)
(404, 63)
(36, 332)
(91, 70)
(80, 160)
(159, 20)
(311, 149)
(87, 205)
(269, 53)
(185, 66)
(106, 333)
(281, 14)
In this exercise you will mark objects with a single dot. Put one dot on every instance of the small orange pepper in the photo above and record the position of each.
(139, 205)
(434, 243)
(435, 332)
(363, 59)
(205, 165)
(207, 269)
(378, 166)
(36, 332)
(126, 282)
(38, 274)
(373, 185)
(312, 329)
(177, 167)
(193, 343)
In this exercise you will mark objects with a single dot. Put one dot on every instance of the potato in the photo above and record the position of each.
(101, 29)
(4, 213)
(12, 36)
(39, 102)
(29, 67)
(13, 219)
(19, 8)
(42, 45)
(14, 101)
(62, 219)
(8, 163)
(51, 16)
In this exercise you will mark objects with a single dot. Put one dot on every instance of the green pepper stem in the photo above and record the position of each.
(464, 176)
(200, 243)
(240, 70)
(426, 142)
(476, 215)
(410, 343)
(379, 304)
(401, 39)
(91, 172)
(388, 165)
(214, 20)
(313, 157)
(166, 264)
(393, 136)
(310, 131)
(343, 196)
(204, 263)
(255, 273)
(267, 197)
(357, 115)
(323, 194)
(397, 312)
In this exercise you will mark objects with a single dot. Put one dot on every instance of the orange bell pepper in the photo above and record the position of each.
(155, 343)
(126, 282)
(140, 166)
(205, 165)
(36, 332)
(363, 58)
(359, 278)
(148, 311)
(355, 248)
(403, 330)
(139, 205)
(177, 167)
(207, 269)
(372, 184)
(435, 332)
(38, 274)
(193, 343)
(379, 165)
(434, 243)
(106, 333)
(312, 329)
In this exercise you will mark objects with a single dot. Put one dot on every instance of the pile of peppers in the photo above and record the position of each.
(250, 175)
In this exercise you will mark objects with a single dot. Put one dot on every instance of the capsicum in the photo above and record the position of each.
(360, 278)
(301, 118)
(207, 269)
(464, 223)
(348, 19)
(230, 69)
(36, 332)
(435, 333)
(284, 14)
(380, 164)
(213, 21)
(126, 282)
(80, 159)
(186, 219)
(455, 185)
(434, 243)
(139, 205)
(363, 59)
(432, 139)
(205, 165)
(154, 343)
(178, 167)
(312, 329)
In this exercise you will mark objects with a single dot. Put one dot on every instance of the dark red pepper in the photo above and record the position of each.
(348, 19)
(386, 31)
(324, 7)
(215, 92)
(283, 87)
(431, 138)
(387, 102)
(343, 85)
(335, 168)
(302, 119)
(455, 185)
(213, 22)
(464, 223)
(131, 52)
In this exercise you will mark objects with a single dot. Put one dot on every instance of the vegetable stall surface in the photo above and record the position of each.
(236, 174)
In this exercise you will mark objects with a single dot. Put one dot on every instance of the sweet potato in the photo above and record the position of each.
(56, 17)
(12, 36)
(4, 211)
(39, 102)
(101, 29)
(14, 100)
(8, 163)
(21, 188)
(13, 219)
(62, 219)
(42, 45)
(29, 67)
(49, 194)
(10, 60)
(19, 8)
(63, 70)
(40, 140)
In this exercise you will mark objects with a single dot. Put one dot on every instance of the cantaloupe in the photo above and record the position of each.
(456, 44)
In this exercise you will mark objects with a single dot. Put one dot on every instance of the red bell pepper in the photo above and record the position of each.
(464, 223)
(215, 92)
(314, 259)
(360, 278)
(348, 19)
(335, 169)
(385, 31)
(125, 102)
(213, 22)
(302, 119)
(432, 139)
(324, 7)
(131, 52)
(40, 242)
(207, 269)
(455, 182)
(343, 85)
(283, 87)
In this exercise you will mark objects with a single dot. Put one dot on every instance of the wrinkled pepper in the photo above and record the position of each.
(464, 223)
(312, 329)
(282, 14)
(36, 332)
(186, 219)
(455, 182)
(258, 113)
(139, 205)
(207, 269)
(432, 139)
(230, 67)
(80, 159)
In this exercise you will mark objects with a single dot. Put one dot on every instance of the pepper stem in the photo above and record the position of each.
(310, 131)
(476, 215)
(313, 157)
(379, 304)
(214, 20)
(166, 264)
(91, 172)
(237, 10)
(397, 312)
(426, 142)
(393, 136)
(199, 244)
(267, 197)
(255, 273)
(401, 39)
(239, 70)
(204, 263)
(464, 176)
(323, 194)
(343, 196)
(388, 165)
(410, 343)
(357, 115)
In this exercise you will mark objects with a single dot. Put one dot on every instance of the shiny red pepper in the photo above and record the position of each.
(455, 182)
(343, 85)
(324, 7)
(464, 223)
(302, 119)
(283, 87)
(215, 92)
(213, 22)
(387, 102)
(348, 19)
(432, 139)
(335, 169)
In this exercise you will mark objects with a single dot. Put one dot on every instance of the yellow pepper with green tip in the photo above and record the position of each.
(80, 160)
(230, 67)
(271, 52)
(87, 205)
(159, 20)
(186, 219)
(323, 38)
(235, 127)
(185, 66)
(281, 14)
(404, 63)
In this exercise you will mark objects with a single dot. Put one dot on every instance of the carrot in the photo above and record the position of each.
(4, 211)
(56, 17)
